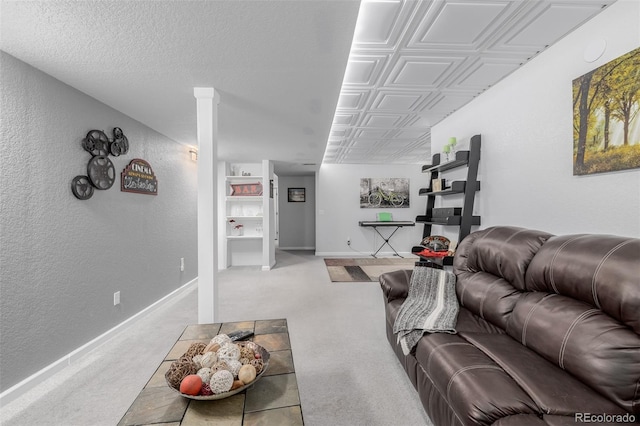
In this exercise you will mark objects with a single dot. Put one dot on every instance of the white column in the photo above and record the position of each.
(207, 113)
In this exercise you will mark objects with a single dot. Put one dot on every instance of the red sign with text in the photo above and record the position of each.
(246, 189)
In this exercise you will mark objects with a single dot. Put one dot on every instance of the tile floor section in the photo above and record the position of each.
(273, 400)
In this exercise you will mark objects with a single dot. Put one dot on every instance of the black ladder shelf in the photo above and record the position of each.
(456, 216)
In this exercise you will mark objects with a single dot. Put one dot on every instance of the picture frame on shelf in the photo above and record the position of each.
(296, 195)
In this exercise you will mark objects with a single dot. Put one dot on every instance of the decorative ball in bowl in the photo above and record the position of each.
(218, 369)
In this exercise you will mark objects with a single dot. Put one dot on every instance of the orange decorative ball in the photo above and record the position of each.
(191, 384)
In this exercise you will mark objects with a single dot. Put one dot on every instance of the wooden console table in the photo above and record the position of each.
(273, 400)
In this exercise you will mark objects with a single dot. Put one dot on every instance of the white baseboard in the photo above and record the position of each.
(19, 388)
(297, 248)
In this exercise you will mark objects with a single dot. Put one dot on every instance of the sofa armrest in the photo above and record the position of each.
(395, 285)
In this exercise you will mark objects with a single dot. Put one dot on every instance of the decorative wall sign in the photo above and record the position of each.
(100, 170)
(606, 126)
(138, 177)
(384, 192)
(246, 189)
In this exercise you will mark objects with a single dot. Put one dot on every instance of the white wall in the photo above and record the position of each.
(338, 210)
(526, 126)
(297, 220)
(62, 259)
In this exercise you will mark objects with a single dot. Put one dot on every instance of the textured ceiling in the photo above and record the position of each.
(279, 66)
(414, 63)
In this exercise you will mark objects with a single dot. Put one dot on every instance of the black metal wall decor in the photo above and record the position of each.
(101, 174)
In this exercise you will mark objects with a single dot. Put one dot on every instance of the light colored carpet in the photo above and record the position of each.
(347, 373)
(360, 269)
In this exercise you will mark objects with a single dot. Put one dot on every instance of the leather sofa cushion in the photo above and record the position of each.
(553, 390)
(564, 421)
(487, 296)
(490, 267)
(466, 320)
(581, 339)
(601, 270)
(521, 420)
(392, 309)
(476, 388)
(529, 420)
(503, 251)
(474, 324)
(408, 362)
(395, 284)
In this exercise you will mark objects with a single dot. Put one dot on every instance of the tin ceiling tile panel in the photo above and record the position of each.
(415, 63)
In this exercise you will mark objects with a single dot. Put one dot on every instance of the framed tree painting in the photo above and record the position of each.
(606, 127)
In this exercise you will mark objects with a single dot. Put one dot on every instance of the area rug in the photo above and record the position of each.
(365, 269)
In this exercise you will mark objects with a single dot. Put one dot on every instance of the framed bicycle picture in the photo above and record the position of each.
(384, 193)
(296, 195)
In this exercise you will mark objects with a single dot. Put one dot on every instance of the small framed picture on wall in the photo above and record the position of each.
(296, 195)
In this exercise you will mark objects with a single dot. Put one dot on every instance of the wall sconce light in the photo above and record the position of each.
(194, 154)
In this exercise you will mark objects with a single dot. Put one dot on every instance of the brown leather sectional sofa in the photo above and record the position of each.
(548, 332)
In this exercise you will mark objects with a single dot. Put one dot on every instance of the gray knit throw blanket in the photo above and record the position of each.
(431, 306)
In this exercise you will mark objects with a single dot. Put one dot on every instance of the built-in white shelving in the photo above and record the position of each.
(245, 217)
(249, 246)
(243, 198)
(244, 237)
